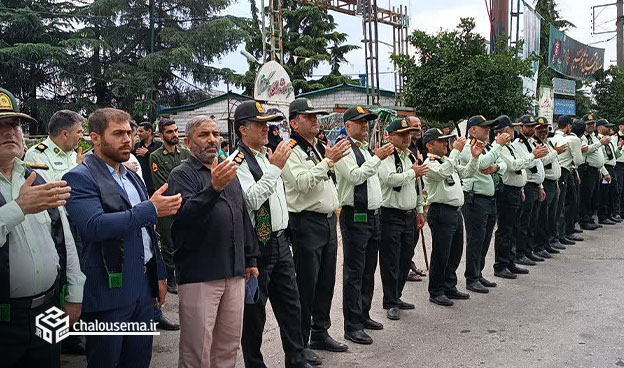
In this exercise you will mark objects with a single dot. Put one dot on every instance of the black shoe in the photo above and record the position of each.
(394, 314)
(505, 274)
(544, 254)
(456, 294)
(358, 337)
(565, 241)
(442, 300)
(477, 287)
(311, 357)
(73, 345)
(369, 324)
(574, 237)
(557, 245)
(487, 283)
(517, 270)
(328, 344)
(614, 219)
(606, 221)
(533, 257)
(308, 365)
(589, 226)
(525, 261)
(577, 231)
(551, 250)
(404, 305)
(165, 324)
(172, 288)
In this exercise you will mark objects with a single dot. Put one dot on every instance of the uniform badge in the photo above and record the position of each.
(58, 162)
(259, 107)
(360, 110)
(404, 123)
(5, 102)
(239, 158)
(41, 147)
(292, 143)
(56, 150)
(154, 167)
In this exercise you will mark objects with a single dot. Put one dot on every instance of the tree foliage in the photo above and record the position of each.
(453, 77)
(609, 93)
(83, 55)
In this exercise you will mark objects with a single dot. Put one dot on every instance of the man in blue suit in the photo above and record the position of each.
(121, 260)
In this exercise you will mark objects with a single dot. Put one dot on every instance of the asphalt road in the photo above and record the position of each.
(566, 313)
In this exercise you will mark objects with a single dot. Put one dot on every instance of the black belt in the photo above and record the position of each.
(397, 212)
(531, 184)
(511, 187)
(550, 180)
(314, 214)
(454, 208)
(477, 195)
(369, 212)
(611, 166)
(277, 234)
(32, 302)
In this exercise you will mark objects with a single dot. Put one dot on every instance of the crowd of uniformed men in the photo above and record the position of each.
(261, 225)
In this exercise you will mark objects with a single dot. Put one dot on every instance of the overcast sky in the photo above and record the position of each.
(431, 16)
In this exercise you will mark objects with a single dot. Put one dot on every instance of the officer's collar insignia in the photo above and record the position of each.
(41, 147)
(360, 110)
(432, 159)
(292, 143)
(5, 102)
(39, 166)
(239, 158)
(259, 107)
(56, 150)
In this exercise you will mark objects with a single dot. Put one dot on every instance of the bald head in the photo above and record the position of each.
(415, 123)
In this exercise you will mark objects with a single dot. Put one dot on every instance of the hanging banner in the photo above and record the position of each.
(565, 107)
(545, 104)
(531, 46)
(500, 13)
(572, 58)
(273, 85)
(564, 87)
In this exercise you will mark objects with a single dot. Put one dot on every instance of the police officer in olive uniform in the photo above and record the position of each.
(533, 193)
(401, 211)
(359, 193)
(479, 207)
(608, 185)
(162, 161)
(509, 200)
(39, 266)
(446, 197)
(259, 174)
(312, 202)
(590, 173)
(619, 171)
(545, 226)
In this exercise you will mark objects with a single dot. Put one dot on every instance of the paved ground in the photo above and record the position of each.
(565, 313)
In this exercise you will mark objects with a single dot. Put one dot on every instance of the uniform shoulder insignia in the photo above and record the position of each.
(292, 143)
(239, 158)
(154, 167)
(41, 147)
(432, 159)
(37, 166)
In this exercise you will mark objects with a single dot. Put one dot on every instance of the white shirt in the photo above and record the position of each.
(270, 186)
(532, 177)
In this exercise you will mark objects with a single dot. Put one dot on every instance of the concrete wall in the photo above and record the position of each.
(330, 101)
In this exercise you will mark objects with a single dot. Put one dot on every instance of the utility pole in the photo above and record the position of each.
(152, 111)
(619, 24)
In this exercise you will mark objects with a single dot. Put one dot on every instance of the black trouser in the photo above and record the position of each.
(508, 202)
(447, 245)
(589, 184)
(572, 202)
(546, 224)
(166, 246)
(523, 234)
(360, 245)
(619, 202)
(315, 246)
(608, 194)
(278, 284)
(398, 229)
(480, 217)
(19, 344)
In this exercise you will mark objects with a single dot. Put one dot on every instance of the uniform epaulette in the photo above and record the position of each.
(239, 158)
(37, 166)
(292, 143)
(432, 159)
(41, 147)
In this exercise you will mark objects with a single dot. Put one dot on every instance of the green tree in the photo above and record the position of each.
(609, 93)
(453, 77)
(309, 38)
(99, 53)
